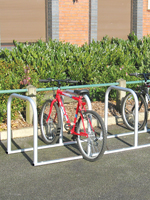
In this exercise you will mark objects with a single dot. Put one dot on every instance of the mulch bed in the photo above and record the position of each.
(97, 106)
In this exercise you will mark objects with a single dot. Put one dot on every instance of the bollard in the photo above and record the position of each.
(120, 94)
(29, 111)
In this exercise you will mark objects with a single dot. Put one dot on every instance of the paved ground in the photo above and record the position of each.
(124, 175)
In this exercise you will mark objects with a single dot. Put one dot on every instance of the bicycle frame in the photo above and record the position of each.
(80, 108)
(145, 88)
(145, 92)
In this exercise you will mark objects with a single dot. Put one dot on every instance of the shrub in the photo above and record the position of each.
(12, 76)
(104, 61)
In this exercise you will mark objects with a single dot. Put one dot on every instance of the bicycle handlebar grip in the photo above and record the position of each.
(72, 81)
(43, 81)
(51, 79)
(69, 81)
(134, 74)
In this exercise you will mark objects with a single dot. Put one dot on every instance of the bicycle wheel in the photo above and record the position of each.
(92, 147)
(50, 130)
(128, 111)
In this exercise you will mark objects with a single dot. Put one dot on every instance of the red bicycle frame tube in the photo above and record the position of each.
(79, 107)
(51, 106)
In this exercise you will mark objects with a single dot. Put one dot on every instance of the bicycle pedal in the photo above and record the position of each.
(68, 132)
(68, 126)
(50, 137)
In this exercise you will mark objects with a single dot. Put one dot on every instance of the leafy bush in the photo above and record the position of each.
(104, 61)
(13, 76)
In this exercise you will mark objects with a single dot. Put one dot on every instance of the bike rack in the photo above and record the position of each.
(35, 125)
(35, 147)
(136, 132)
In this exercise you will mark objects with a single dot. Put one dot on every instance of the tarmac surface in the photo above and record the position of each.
(116, 176)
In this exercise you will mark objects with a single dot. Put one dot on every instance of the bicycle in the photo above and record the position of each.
(89, 130)
(128, 104)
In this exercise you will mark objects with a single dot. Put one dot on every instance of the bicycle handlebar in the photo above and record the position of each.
(145, 75)
(43, 81)
(134, 74)
(52, 80)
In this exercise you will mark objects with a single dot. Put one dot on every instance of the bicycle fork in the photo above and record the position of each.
(51, 106)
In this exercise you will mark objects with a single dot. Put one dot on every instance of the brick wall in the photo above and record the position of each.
(74, 21)
(146, 18)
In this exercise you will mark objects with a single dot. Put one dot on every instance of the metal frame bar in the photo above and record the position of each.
(61, 143)
(35, 133)
(136, 132)
(70, 87)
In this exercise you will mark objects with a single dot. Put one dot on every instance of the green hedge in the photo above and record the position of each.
(104, 61)
(13, 76)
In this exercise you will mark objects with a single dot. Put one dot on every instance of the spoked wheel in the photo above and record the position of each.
(93, 146)
(128, 111)
(50, 129)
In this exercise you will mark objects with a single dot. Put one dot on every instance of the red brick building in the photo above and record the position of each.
(74, 21)
(146, 17)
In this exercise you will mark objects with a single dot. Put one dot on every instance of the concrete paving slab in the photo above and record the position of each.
(115, 176)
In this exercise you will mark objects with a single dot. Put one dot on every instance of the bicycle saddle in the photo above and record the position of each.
(82, 92)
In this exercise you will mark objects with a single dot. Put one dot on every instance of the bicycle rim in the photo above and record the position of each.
(128, 111)
(50, 130)
(92, 147)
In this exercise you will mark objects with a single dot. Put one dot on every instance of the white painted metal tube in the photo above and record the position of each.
(58, 160)
(43, 147)
(35, 117)
(124, 134)
(136, 109)
(127, 149)
(88, 102)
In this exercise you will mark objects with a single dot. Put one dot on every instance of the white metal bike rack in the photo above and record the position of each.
(35, 133)
(136, 132)
(35, 125)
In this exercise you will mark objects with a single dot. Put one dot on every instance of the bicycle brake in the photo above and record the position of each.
(83, 113)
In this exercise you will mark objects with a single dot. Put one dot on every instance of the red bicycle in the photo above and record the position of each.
(88, 128)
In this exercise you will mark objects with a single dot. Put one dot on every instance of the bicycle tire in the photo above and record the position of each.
(93, 147)
(128, 111)
(50, 131)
